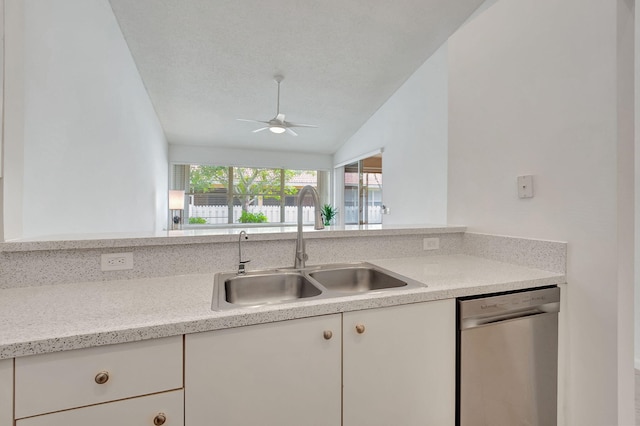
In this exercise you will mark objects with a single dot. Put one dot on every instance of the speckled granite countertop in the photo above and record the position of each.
(61, 317)
(216, 235)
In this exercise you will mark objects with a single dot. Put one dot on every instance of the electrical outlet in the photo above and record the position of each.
(116, 261)
(431, 243)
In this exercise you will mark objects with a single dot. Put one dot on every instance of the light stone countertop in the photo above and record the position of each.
(44, 319)
(205, 235)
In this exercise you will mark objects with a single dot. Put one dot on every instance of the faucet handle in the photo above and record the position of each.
(241, 268)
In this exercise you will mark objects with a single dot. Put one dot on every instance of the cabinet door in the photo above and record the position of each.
(161, 409)
(6, 392)
(399, 365)
(277, 374)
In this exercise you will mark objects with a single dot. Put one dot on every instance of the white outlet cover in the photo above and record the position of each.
(116, 261)
(431, 243)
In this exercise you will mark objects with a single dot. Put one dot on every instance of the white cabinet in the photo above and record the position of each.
(6, 392)
(396, 366)
(164, 409)
(399, 365)
(60, 381)
(384, 366)
(276, 374)
(563, 325)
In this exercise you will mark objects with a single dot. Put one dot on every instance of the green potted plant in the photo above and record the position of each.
(328, 212)
(197, 221)
(247, 217)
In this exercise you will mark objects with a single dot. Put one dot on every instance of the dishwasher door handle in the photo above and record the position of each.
(507, 316)
(491, 309)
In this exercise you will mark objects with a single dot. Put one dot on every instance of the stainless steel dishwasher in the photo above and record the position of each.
(508, 359)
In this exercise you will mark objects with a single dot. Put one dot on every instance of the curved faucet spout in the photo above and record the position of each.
(301, 255)
(241, 263)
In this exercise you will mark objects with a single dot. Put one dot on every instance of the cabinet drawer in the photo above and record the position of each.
(63, 380)
(140, 411)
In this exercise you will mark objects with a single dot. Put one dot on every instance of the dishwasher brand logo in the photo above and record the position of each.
(495, 305)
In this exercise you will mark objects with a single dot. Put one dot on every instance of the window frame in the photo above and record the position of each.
(233, 196)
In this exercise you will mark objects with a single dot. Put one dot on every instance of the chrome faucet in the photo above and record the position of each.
(301, 254)
(241, 262)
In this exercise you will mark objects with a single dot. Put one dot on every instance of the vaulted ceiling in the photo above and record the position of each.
(207, 62)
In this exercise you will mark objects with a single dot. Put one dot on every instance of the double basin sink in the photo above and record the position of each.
(278, 286)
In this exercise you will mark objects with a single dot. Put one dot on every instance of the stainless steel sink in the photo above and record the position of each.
(279, 286)
(356, 279)
(255, 289)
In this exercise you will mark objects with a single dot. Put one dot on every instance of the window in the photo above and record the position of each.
(220, 195)
(363, 191)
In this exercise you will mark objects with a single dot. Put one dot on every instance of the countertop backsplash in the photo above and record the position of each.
(26, 264)
(539, 254)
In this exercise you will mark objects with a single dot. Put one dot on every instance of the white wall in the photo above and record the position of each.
(626, 205)
(412, 128)
(95, 156)
(13, 122)
(193, 154)
(2, 118)
(637, 189)
(533, 89)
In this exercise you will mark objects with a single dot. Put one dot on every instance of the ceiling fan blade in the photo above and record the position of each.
(278, 124)
(252, 121)
(288, 124)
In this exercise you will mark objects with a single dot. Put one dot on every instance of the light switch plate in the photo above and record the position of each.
(525, 186)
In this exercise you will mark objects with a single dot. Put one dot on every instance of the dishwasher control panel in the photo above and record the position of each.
(486, 309)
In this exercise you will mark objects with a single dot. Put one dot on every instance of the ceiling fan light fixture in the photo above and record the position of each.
(278, 124)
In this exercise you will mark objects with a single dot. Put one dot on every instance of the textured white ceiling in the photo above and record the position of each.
(207, 62)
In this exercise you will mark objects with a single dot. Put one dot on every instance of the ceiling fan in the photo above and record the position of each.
(278, 124)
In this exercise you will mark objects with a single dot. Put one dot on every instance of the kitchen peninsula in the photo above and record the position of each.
(93, 312)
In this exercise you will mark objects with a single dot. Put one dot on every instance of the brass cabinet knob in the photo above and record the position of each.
(160, 419)
(328, 334)
(360, 328)
(102, 377)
